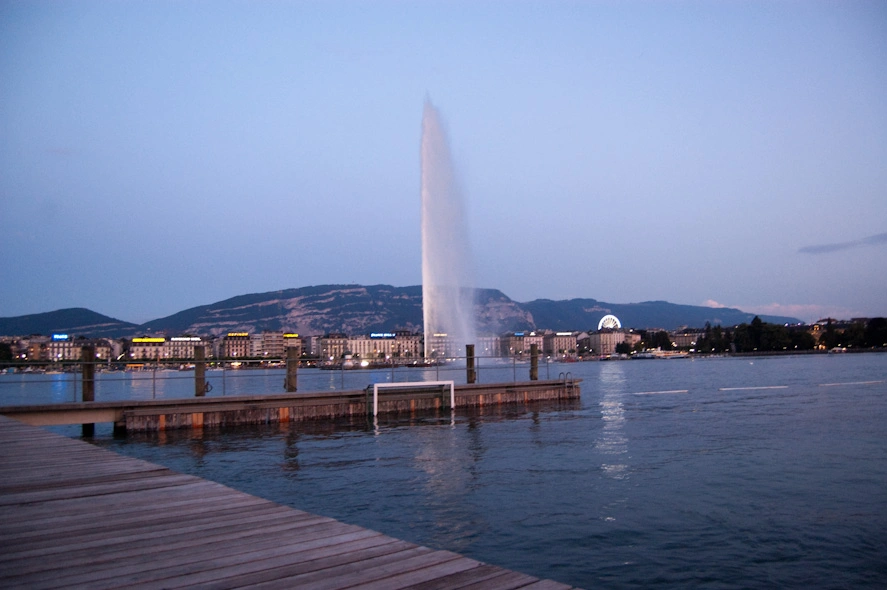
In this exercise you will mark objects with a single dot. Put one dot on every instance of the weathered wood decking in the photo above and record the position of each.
(75, 515)
(212, 412)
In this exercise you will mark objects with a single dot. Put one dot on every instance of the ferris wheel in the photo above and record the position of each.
(610, 322)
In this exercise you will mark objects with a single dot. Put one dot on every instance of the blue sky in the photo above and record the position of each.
(155, 156)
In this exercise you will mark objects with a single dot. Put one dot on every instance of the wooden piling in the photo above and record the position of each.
(292, 368)
(470, 371)
(199, 371)
(87, 358)
(534, 362)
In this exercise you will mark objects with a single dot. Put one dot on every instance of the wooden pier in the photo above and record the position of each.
(73, 515)
(207, 412)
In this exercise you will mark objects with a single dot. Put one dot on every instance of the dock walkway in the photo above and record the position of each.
(75, 515)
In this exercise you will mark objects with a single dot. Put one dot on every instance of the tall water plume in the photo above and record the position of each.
(447, 265)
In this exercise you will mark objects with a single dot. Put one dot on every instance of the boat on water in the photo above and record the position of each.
(670, 354)
(660, 354)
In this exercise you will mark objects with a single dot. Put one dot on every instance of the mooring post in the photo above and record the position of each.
(199, 371)
(292, 368)
(470, 371)
(87, 357)
(534, 362)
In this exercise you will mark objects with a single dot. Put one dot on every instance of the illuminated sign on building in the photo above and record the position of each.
(58, 337)
(238, 334)
(148, 340)
(383, 335)
(290, 335)
(564, 333)
(185, 339)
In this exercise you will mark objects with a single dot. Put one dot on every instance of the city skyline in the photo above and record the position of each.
(160, 156)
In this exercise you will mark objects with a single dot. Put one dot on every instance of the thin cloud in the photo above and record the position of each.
(807, 312)
(714, 304)
(876, 240)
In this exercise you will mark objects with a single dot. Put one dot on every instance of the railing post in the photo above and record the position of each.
(534, 362)
(292, 368)
(87, 357)
(470, 372)
(199, 371)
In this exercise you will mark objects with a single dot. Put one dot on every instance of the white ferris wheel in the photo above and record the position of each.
(609, 322)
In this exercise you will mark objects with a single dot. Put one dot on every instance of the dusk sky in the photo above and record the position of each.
(156, 156)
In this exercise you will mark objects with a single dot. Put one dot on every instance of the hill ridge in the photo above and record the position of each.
(359, 309)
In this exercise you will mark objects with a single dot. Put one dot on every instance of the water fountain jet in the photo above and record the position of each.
(447, 272)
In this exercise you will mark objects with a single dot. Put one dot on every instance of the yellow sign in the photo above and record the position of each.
(237, 334)
(148, 340)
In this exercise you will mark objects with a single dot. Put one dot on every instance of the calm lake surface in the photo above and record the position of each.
(714, 473)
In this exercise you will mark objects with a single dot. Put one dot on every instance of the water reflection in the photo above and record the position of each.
(63, 387)
(612, 440)
(291, 450)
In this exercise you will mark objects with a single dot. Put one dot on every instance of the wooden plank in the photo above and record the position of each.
(547, 585)
(121, 521)
(76, 516)
(172, 566)
(217, 570)
(309, 561)
(478, 574)
(173, 508)
(106, 537)
(426, 574)
(506, 581)
(165, 545)
(364, 571)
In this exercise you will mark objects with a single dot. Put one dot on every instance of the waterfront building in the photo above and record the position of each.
(291, 340)
(236, 345)
(487, 346)
(182, 347)
(519, 343)
(333, 346)
(256, 349)
(145, 348)
(36, 348)
(441, 346)
(511, 344)
(531, 338)
(604, 342)
(408, 345)
(687, 338)
(560, 344)
(64, 348)
(311, 345)
(386, 345)
(365, 348)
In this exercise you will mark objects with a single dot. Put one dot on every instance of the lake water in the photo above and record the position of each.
(714, 473)
(153, 383)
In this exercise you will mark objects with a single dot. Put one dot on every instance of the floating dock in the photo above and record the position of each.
(73, 515)
(206, 412)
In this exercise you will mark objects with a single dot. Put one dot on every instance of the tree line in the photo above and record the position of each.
(764, 337)
(760, 336)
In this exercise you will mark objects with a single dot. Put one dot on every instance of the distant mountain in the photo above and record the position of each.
(585, 314)
(350, 309)
(76, 321)
(358, 309)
